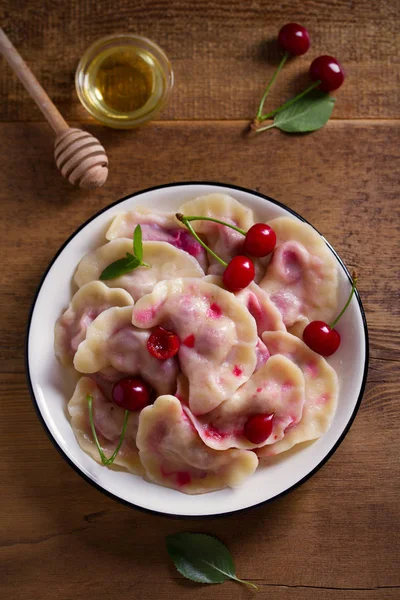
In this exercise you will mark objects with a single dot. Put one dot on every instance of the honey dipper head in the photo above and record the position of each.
(81, 158)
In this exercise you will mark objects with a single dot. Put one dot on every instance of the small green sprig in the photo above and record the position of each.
(130, 262)
(106, 461)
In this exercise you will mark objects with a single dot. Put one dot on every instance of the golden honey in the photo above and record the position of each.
(123, 81)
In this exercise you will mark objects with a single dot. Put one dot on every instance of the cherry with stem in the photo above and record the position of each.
(294, 41)
(323, 338)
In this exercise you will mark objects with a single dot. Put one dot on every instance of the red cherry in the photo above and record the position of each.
(260, 240)
(329, 71)
(238, 274)
(131, 393)
(163, 344)
(258, 428)
(321, 338)
(294, 39)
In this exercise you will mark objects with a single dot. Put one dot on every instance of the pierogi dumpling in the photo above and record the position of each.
(218, 336)
(112, 341)
(166, 262)
(276, 388)
(108, 420)
(174, 456)
(86, 304)
(157, 226)
(321, 390)
(259, 305)
(301, 278)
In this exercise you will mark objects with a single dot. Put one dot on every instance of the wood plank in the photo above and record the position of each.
(222, 53)
(336, 536)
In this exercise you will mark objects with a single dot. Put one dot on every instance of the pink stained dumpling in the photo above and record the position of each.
(259, 305)
(221, 331)
(277, 388)
(301, 278)
(112, 341)
(108, 420)
(321, 390)
(174, 456)
(165, 262)
(86, 304)
(157, 226)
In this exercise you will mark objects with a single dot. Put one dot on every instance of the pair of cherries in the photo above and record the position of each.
(295, 40)
(260, 241)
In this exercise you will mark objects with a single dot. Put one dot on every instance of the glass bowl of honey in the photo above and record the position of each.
(124, 80)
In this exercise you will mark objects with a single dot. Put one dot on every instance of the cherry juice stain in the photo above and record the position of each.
(215, 311)
(237, 371)
(189, 341)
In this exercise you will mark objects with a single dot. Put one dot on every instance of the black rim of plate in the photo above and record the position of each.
(216, 515)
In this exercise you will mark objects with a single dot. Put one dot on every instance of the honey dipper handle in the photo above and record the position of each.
(31, 84)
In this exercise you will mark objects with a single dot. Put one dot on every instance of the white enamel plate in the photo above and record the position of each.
(51, 388)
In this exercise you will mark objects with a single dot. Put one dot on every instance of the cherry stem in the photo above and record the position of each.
(242, 231)
(353, 287)
(186, 222)
(286, 105)
(106, 461)
(274, 76)
(249, 584)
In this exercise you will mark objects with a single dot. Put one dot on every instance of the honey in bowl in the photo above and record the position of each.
(124, 80)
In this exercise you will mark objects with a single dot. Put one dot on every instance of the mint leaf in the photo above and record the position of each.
(202, 558)
(128, 264)
(307, 114)
(120, 267)
(137, 243)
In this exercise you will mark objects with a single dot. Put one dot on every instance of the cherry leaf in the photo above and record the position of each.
(307, 114)
(202, 558)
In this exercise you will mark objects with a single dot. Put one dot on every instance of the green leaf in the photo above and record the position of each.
(202, 558)
(307, 114)
(119, 267)
(137, 243)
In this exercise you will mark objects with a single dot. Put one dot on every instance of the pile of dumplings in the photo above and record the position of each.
(246, 354)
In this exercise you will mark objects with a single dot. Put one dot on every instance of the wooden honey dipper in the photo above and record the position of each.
(78, 154)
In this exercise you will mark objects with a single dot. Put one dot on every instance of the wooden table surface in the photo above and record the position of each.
(335, 537)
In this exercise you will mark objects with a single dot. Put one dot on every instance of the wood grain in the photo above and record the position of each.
(222, 52)
(334, 538)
